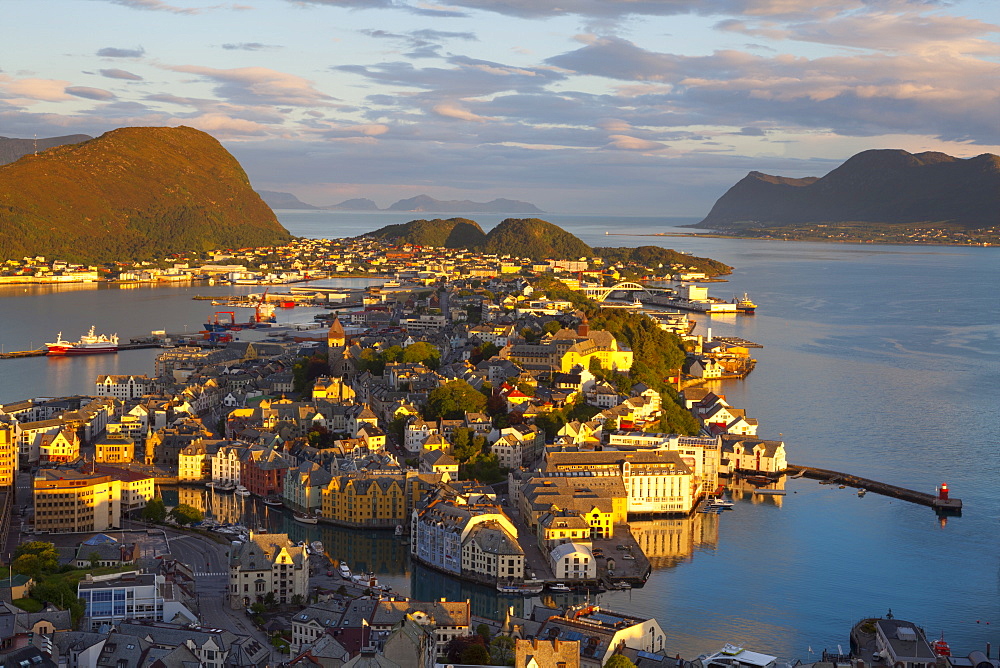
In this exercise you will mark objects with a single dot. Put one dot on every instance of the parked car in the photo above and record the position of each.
(628, 557)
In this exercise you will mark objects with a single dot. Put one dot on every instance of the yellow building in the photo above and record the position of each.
(372, 500)
(66, 500)
(568, 348)
(8, 455)
(192, 463)
(117, 449)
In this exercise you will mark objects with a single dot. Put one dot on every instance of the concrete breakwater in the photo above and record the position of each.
(940, 502)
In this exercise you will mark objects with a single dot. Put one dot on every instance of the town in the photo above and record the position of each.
(510, 430)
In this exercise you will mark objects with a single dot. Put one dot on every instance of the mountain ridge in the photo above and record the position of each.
(889, 186)
(417, 204)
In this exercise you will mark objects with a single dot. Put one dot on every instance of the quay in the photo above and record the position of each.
(941, 502)
(41, 352)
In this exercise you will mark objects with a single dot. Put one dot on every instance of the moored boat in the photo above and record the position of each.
(224, 487)
(345, 571)
(717, 502)
(559, 587)
(305, 518)
(242, 491)
(526, 588)
(273, 501)
(89, 344)
(745, 305)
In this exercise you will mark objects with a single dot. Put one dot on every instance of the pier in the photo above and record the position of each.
(941, 502)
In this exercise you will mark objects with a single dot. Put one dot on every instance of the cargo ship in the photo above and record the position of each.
(745, 304)
(89, 344)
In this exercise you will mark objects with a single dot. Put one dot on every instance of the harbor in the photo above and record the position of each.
(942, 501)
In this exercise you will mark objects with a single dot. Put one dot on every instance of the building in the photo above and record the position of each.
(573, 561)
(111, 599)
(268, 563)
(137, 487)
(902, 643)
(114, 449)
(192, 463)
(8, 454)
(72, 501)
(122, 387)
(492, 552)
(445, 619)
(600, 632)
(537, 653)
(57, 447)
(227, 462)
(184, 645)
(366, 500)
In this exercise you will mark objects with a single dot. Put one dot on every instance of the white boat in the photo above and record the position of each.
(717, 502)
(304, 518)
(272, 501)
(345, 572)
(862, 491)
(527, 588)
(559, 587)
(317, 547)
(242, 491)
(399, 529)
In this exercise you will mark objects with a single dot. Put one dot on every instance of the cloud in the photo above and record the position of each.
(249, 46)
(156, 6)
(259, 86)
(46, 90)
(421, 43)
(90, 93)
(627, 143)
(120, 74)
(451, 110)
(112, 52)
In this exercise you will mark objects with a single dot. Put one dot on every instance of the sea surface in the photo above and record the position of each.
(878, 360)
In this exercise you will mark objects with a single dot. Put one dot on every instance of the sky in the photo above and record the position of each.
(629, 107)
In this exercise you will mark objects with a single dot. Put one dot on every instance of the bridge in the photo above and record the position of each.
(601, 293)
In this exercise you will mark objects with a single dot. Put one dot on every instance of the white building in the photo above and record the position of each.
(122, 387)
(110, 599)
(573, 561)
(267, 563)
(226, 463)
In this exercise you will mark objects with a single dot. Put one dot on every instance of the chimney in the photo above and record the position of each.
(584, 328)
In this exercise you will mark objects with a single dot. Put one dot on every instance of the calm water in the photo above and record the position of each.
(878, 360)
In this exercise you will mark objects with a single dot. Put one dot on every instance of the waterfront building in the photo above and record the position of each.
(304, 485)
(267, 563)
(490, 551)
(366, 500)
(440, 531)
(165, 444)
(262, 471)
(573, 561)
(227, 462)
(903, 643)
(114, 449)
(600, 501)
(656, 481)
(703, 455)
(753, 454)
(604, 632)
(192, 463)
(111, 599)
(70, 501)
(137, 487)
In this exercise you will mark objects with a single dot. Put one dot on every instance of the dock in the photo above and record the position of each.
(737, 341)
(941, 502)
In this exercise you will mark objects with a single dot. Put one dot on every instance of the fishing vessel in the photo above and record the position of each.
(526, 588)
(745, 305)
(89, 344)
(559, 587)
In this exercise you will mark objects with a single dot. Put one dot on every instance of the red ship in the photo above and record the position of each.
(89, 344)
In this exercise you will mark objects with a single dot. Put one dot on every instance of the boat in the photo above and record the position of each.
(399, 529)
(242, 491)
(304, 518)
(745, 305)
(862, 491)
(758, 479)
(317, 547)
(716, 502)
(622, 585)
(345, 571)
(89, 344)
(527, 588)
(224, 487)
(559, 587)
(272, 501)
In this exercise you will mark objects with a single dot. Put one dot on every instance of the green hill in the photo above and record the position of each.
(654, 257)
(131, 194)
(450, 233)
(534, 238)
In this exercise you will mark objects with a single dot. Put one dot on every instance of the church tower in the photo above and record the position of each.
(584, 328)
(336, 338)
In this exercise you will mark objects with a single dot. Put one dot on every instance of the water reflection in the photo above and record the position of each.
(670, 541)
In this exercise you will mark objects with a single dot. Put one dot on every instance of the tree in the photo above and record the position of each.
(154, 511)
(483, 632)
(462, 448)
(269, 599)
(423, 353)
(619, 661)
(94, 559)
(458, 645)
(475, 655)
(453, 399)
(185, 514)
(502, 651)
(35, 559)
(552, 326)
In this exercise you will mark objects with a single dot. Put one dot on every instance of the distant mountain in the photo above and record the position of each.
(356, 204)
(878, 186)
(131, 194)
(12, 149)
(451, 233)
(279, 200)
(427, 203)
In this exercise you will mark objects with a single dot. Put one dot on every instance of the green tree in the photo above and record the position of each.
(154, 511)
(483, 632)
(502, 651)
(58, 591)
(619, 661)
(94, 559)
(552, 326)
(461, 445)
(453, 399)
(185, 514)
(269, 599)
(475, 655)
(423, 353)
(35, 559)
